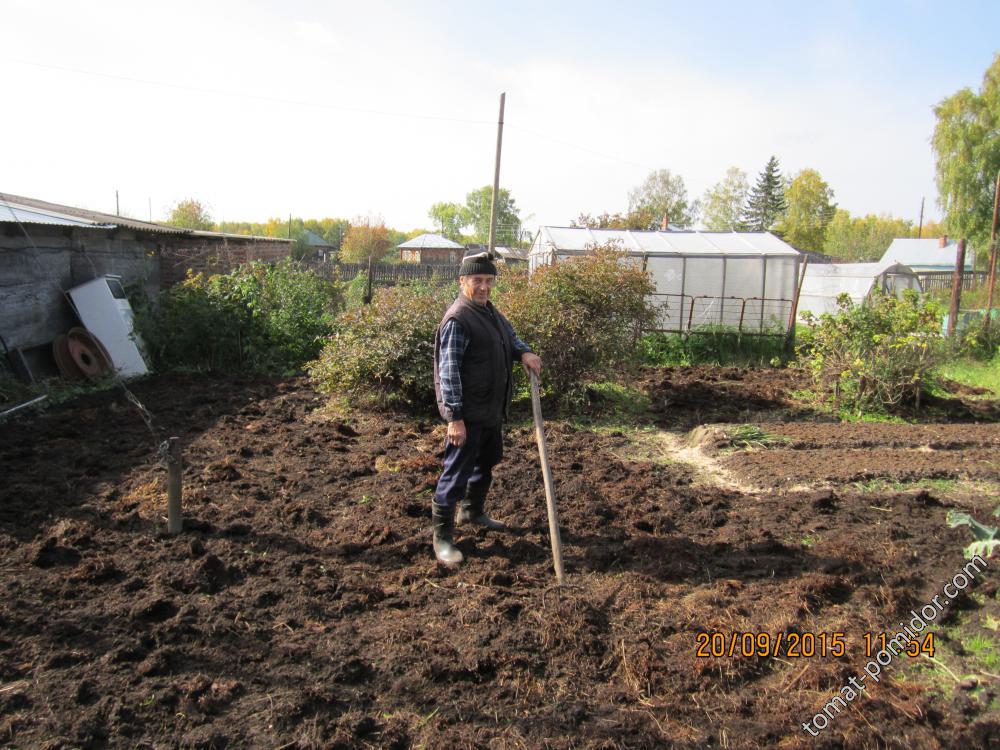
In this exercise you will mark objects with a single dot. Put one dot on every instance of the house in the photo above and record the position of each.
(736, 280)
(823, 283)
(47, 248)
(431, 249)
(319, 248)
(927, 255)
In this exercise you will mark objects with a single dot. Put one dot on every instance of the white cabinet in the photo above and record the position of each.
(104, 310)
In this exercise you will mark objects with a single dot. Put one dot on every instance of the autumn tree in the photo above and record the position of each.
(863, 239)
(602, 221)
(766, 204)
(367, 238)
(930, 229)
(966, 145)
(450, 218)
(661, 194)
(810, 209)
(722, 206)
(190, 214)
(331, 230)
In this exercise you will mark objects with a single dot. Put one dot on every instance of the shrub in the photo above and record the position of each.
(259, 318)
(979, 341)
(382, 353)
(873, 356)
(582, 316)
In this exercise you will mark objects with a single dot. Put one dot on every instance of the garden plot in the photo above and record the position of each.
(938, 455)
(303, 607)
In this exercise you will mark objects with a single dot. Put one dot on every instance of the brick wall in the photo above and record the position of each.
(214, 255)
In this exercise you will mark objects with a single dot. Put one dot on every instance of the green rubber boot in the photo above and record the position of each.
(471, 510)
(444, 525)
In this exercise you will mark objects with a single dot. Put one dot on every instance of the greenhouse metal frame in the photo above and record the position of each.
(705, 281)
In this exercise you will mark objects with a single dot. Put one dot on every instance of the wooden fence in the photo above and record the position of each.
(934, 280)
(389, 274)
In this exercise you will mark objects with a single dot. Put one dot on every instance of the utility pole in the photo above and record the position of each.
(289, 226)
(496, 179)
(150, 200)
(118, 211)
(920, 226)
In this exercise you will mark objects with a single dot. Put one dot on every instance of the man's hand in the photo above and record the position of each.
(532, 362)
(456, 433)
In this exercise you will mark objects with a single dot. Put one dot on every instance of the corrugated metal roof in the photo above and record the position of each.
(11, 211)
(925, 253)
(431, 241)
(54, 213)
(33, 211)
(573, 239)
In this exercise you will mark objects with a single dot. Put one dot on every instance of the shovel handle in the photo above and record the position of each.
(550, 495)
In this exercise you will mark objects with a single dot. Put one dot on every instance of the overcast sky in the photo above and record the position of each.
(262, 109)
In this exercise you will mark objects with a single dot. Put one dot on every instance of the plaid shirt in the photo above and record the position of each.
(454, 342)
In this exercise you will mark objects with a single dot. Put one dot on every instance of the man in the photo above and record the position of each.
(474, 350)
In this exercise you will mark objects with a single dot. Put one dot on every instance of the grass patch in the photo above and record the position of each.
(864, 417)
(879, 485)
(975, 373)
(825, 405)
(606, 406)
(712, 345)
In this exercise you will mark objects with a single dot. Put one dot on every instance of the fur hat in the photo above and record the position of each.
(480, 263)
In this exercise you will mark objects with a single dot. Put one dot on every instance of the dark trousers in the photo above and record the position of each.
(469, 466)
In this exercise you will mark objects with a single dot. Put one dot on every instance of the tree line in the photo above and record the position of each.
(800, 209)
(355, 240)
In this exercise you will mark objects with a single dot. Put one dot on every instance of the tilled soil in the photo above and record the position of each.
(838, 454)
(302, 606)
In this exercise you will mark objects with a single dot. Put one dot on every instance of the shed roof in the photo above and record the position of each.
(924, 253)
(43, 212)
(20, 213)
(575, 239)
(314, 240)
(429, 242)
(17, 208)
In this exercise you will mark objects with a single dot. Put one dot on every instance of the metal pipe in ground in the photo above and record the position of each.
(550, 495)
(172, 457)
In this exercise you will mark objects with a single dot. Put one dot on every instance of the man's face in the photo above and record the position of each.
(477, 287)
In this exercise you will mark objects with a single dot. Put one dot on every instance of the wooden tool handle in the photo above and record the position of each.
(550, 495)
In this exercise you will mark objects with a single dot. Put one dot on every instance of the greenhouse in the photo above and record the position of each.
(823, 283)
(704, 280)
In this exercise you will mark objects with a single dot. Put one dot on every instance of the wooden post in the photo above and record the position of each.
(172, 457)
(496, 179)
(790, 333)
(956, 288)
(992, 278)
(550, 496)
(367, 299)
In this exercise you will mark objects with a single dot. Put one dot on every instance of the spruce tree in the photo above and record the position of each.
(767, 200)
